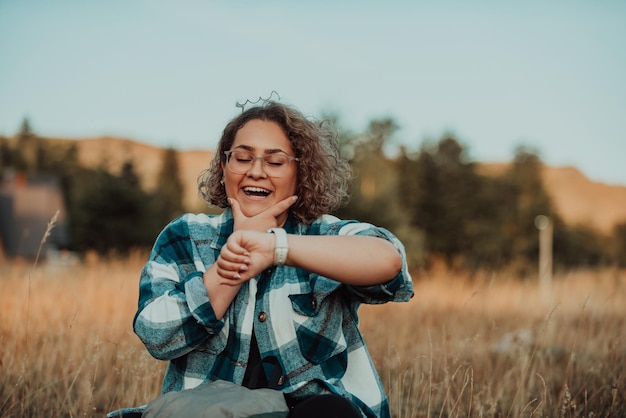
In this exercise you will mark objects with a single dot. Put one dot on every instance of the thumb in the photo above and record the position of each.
(237, 213)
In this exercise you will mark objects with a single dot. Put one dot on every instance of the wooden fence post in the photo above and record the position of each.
(545, 227)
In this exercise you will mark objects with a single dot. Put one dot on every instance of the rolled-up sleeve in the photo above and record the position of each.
(174, 315)
(398, 289)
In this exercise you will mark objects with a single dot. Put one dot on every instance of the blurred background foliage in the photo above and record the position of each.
(434, 198)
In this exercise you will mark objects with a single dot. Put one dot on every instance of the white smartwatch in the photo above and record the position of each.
(281, 248)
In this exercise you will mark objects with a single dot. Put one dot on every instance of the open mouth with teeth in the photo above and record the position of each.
(256, 191)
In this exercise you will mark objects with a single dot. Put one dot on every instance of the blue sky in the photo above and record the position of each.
(547, 74)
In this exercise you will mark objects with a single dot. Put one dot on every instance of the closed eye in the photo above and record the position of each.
(243, 157)
(276, 160)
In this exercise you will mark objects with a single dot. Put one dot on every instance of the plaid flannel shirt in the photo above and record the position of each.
(307, 322)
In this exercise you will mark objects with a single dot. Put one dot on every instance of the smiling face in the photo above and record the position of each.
(255, 190)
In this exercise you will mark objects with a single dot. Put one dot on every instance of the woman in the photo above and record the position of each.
(266, 294)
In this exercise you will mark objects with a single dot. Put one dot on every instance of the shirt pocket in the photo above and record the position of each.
(318, 325)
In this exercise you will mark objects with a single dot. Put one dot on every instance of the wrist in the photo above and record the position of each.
(281, 246)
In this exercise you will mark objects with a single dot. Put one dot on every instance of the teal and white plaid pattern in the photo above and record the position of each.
(307, 322)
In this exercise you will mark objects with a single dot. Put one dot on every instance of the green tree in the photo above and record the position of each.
(619, 244)
(22, 154)
(27, 148)
(6, 154)
(346, 139)
(406, 168)
(373, 194)
(525, 181)
(407, 188)
(168, 197)
(442, 201)
(485, 228)
(579, 246)
(427, 205)
(109, 212)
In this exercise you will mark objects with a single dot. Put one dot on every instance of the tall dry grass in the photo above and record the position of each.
(70, 350)
(486, 346)
(493, 346)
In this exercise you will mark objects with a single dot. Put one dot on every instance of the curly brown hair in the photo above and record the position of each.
(323, 175)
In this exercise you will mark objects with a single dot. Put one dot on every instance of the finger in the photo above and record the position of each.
(230, 275)
(230, 280)
(233, 277)
(282, 206)
(230, 261)
(231, 270)
(233, 257)
(233, 247)
(228, 266)
(237, 213)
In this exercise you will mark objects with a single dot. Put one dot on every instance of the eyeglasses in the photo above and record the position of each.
(274, 165)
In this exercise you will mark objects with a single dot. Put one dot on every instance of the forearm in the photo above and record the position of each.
(355, 260)
(220, 295)
(173, 318)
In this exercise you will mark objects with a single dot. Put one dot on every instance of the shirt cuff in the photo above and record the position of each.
(393, 290)
(199, 304)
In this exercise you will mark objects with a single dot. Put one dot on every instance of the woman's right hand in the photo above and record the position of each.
(262, 221)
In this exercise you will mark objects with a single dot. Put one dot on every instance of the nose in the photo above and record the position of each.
(256, 169)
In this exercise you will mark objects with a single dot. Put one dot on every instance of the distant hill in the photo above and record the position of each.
(147, 160)
(577, 198)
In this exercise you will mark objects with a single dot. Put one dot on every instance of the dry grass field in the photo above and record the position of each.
(481, 346)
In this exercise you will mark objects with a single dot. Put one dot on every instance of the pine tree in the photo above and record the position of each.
(168, 198)
(531, 199)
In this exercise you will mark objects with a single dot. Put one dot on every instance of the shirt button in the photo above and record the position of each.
(262, 316)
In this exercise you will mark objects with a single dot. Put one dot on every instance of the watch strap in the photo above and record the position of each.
(282, 246)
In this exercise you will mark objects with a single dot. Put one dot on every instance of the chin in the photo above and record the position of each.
(255, 208)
